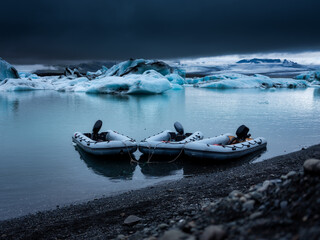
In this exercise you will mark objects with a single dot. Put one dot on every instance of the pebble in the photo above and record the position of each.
(255, 215)
(312, 166)
(132, 220)
(152, 238)
(235, 194)
(291, 174)
(287, 182)
(248, 206)
(162, 226)
(121, 237)
(243, 199)
(283, 205)
(181, 223)
(175, 234)
(256, 195)
(213, 232)
(265, 186)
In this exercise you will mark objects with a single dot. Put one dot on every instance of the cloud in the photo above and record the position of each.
(105, 29)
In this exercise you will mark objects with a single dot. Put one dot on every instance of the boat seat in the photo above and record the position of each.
(180, 137)
(103, 136)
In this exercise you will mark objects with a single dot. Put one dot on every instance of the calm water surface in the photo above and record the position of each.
(41, 169)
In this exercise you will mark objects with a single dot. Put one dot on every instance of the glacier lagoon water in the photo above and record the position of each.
(41, 169)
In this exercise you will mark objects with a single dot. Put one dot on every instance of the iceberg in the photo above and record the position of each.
(175, 78)
(139, 66)
(146, 77)
(130, 77)
(150, 82)
(25, 84)
(233, 81)
(7, 70)
(313, 77)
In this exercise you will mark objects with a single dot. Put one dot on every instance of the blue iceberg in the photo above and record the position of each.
(7, 70)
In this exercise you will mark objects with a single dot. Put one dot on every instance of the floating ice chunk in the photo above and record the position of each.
(28, 75)
(310, 76)
(25, 84)
(175, 86)
(215, 77)
(174, 78)
(138, 66)
(68, 85)
(256, 81)
(150, 82)
(7, 70)
(93, 75)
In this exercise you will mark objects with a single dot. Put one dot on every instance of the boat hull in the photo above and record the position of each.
(119, 145)
(213, 149)
(160, 144)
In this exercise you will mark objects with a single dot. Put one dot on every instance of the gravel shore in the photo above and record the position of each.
(273, 199)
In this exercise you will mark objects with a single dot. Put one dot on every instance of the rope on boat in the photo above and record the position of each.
(171, 161)
(131, 158)
(154, 149)
(178, 155)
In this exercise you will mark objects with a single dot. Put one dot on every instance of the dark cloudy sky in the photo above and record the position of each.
(46, 30)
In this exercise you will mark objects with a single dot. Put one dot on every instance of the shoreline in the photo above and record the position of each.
(167, 203)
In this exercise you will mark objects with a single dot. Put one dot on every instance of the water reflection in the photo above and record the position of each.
(316, 94)
(9, 103)
(160, 169)
(112, 168)
(193, 166)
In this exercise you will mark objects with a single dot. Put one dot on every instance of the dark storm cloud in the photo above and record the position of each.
(119, 29)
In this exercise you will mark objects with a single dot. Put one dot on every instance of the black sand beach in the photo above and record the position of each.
(195, 207)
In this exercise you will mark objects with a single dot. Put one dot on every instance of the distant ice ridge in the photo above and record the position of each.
(129, 77)
(233, 80)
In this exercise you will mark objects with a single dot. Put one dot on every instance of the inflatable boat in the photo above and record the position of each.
(226, 146)
(109, 143)
(168, 142)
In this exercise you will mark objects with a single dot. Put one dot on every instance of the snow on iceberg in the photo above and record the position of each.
(225, 81)
(7, 70)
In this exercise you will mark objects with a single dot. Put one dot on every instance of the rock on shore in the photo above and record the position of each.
(285, 208)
